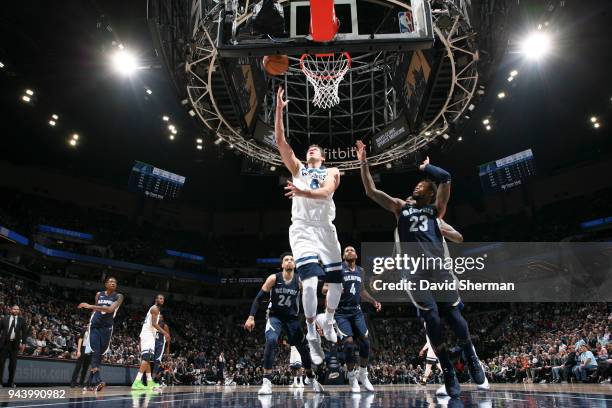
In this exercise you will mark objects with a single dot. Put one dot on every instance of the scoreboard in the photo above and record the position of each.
(154, 182)
(503, 174)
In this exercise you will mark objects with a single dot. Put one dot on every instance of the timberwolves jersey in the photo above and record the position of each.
(147, 326)
(103, 319)
(285, 297)
(420, 224)
(350, 300)
(308, 210)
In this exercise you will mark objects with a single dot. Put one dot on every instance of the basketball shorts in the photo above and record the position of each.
(291, 326)
(147, 343)
(159, 348)
(351, 324)
(316, 244)
(295, 360)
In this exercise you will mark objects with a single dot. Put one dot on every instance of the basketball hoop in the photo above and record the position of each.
(325, 72)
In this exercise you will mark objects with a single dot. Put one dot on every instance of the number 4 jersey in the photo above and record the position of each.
(420, 224)
(350, 301)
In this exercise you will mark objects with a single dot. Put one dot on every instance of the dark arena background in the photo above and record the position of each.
(145, 152)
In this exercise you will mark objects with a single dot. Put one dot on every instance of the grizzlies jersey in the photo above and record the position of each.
(420, 224)
(103, 319)
(350, 300)
(147, 326)
(308, 210)
(285, 297)
(159, 338)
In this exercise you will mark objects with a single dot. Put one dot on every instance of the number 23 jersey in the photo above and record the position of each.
(420, 224)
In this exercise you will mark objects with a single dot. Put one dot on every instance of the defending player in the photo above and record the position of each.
(162, 347)
(351, 321)
(312, 235)
(107, 302)
(417, 222)
(283, 310)
(150, 328)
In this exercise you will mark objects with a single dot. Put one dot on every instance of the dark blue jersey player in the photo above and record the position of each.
(284, 289)
(417, 222)
(101, 323)
(351, 321)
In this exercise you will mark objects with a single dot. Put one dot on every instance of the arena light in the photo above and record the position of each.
(171, 127)
(171, 137)
(428, 133)
(148, 91)
(218, 141)
(501, 95)
(596, 125)
(199, 141)
(488, 127)
(55, 117)
(52, 122)
(165, 118)
(486, 122)
(272, 168)
(192, 113)
(29, 92)
(124, 62)
(1, 64)
(445, 136)
(231, 146)
(174, 131)
(536, 45)
(75, 136)
(388, 165)
(510, 78)
(26, 98)
(460, 139)
(72, 142)
(513, 73)
(199, 147)
(593, 119)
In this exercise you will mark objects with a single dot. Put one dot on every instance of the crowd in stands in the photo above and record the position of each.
(518, 343)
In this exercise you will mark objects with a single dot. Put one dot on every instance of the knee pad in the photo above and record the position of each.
(148, 356)
(364, 347)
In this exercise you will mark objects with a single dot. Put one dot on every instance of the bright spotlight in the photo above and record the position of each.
(75, 136)
(199, 141)
(510, 78)
(231, 146)
(501, 95)
(428, 133)
(388, 165)
(29, 92)
(171, 137)
(1, 65)
(174, 131)
(218, 141)
(593, 119)
(165, 118)
(199, 147)
(148, 91)
(171, 127)
(72, 142)
(55, 117)
(124, 62)
(272, 168)
(536, 45)
(52, 122)
(513, 73)
(192, 113)
(26, 98)
(445, 136)
(488, 127)
(596, 125)
(460, 138)
(486, 122)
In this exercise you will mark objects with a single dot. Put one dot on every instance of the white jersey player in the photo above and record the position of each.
(312, 234)
(150, 327)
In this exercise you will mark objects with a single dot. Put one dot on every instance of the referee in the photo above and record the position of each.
(83, 359)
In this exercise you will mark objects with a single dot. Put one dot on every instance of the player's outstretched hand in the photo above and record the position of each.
(250, 324)
(83, 305)
(425, 163)
(377, 306)
(292, 190)
(361, 152)
(280, 103)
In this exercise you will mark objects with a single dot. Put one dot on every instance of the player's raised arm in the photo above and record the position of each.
(380, 197)
(449, 232)
(443, 178)
(265, 289)
(291, 162)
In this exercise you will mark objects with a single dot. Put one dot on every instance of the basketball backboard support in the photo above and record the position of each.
(365, 26)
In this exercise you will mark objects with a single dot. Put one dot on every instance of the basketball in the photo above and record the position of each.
(276, 64)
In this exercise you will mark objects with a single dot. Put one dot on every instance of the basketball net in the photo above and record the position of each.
(325, 72)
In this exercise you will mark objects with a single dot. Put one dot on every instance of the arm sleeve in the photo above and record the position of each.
(437, 173)
(255, 304)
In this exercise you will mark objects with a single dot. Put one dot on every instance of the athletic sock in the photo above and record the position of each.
(312, 329)
(149, 378)
(138, 377)
(329, 316)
